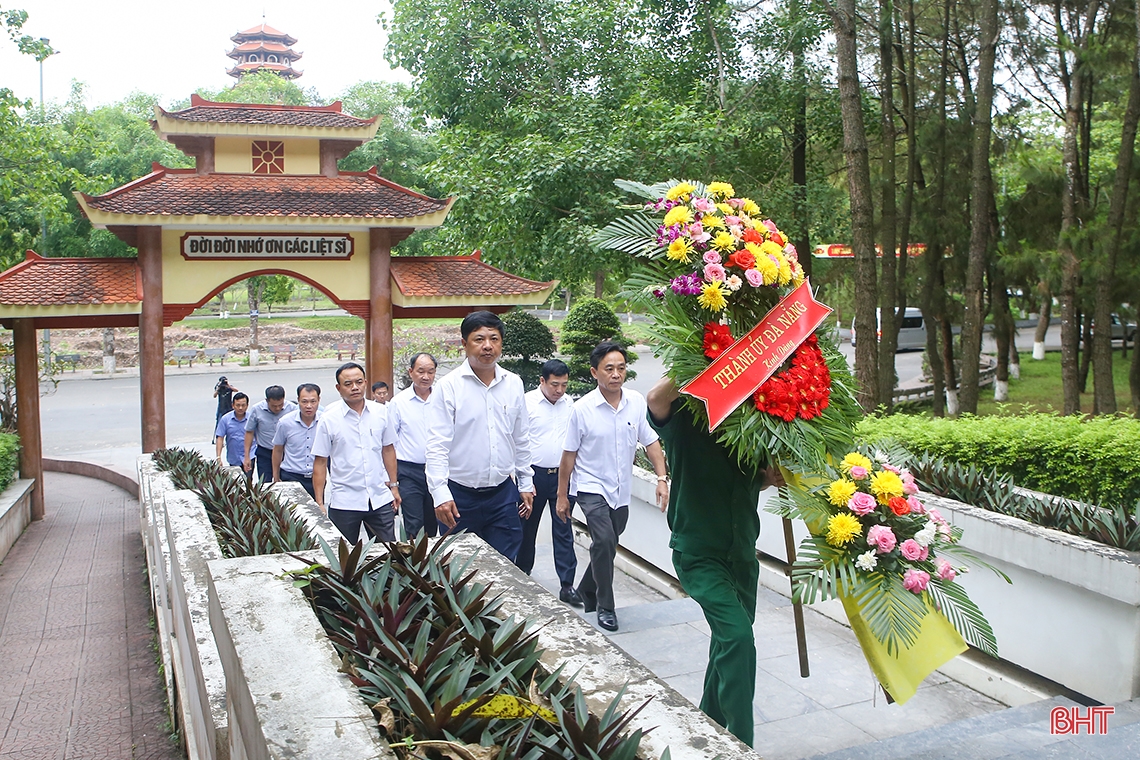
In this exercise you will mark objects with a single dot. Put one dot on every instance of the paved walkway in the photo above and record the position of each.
(78, 677)
(836, 709)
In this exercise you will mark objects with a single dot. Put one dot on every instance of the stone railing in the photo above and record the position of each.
(234, 635)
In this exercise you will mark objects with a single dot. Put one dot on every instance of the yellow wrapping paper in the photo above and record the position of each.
(900, 674)
(938, 641)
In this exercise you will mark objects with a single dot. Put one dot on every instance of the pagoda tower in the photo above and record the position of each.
(263, 47)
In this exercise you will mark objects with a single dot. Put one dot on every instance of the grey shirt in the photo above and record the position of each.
(263, 423)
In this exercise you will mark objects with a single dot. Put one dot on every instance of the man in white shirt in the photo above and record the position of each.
(293, 441)
(479, 438)
(597, 466)
(409, 410)
(549, 407)
(354, 446)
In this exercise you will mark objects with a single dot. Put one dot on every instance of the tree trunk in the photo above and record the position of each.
(800, 210)
(1014, 356)
(1086, 320)
(1003, 324)
(1070, 219)
(108, 350)
(1104, 389)
(859, 189)
(1043, 318)
(981, 200)
(888, 286)
(254, 289)
(599, 282)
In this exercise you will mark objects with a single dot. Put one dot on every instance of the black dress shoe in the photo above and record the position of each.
(570, 596)
(607, 619)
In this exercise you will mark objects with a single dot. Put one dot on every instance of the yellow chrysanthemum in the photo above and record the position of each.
(797, 274)
(843, 528)
(678, 215)
(854, 459)
(771, 248)
(721, 190)
(712, 222)
(748, 206)
(679, 250)
(840, 492)
(768, 269)
(712, 297)
(886, 484)
(726, 209)
(754, 249)
(784, 272)
(724, 241)
(678, 191)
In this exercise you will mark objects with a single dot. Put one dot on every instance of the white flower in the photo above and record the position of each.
(925, 537)
(734, 283)
(867, 561)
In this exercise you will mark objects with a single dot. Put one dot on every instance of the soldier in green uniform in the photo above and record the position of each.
(714, 522)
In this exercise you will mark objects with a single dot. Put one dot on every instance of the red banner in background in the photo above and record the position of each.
(746, 364)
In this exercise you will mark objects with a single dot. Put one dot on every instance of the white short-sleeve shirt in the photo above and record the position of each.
(410, 413)
(353, 444)
(547, 427)
(606, 440)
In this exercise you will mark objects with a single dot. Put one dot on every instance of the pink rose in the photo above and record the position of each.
(732, 221)
(911, 549)
(711, 257)
(946, 570)
(858, 472)
(882, 537)
(698, 234)
(945, 532)
(704, 205)
(916, 580)
(891, 468)
(791, 252)
(937, 517)
(915, 505)
(714, 272)
(755, 279)
(909, 486)
(771, 225)
(862, 503)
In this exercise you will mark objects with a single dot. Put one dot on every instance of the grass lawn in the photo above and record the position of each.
(1039, 389)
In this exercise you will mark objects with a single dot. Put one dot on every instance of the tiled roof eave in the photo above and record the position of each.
(502, 299)
(167, 125)
(262, 222)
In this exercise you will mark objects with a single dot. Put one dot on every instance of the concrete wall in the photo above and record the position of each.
(15, 513)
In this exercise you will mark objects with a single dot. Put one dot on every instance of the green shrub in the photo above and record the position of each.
(9, 458)
(1095, 460)
(589, 322)
(527, 343)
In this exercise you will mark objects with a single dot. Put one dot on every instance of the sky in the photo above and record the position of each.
(171, 49)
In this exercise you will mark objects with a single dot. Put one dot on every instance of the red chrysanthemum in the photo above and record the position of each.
(717, 338)
(803, 390)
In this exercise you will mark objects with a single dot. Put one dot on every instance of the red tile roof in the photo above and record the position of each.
(54, 282)
(457, 276)
(260, 113)
(182, 192)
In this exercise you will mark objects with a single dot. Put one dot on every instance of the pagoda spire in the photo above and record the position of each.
(264, 48)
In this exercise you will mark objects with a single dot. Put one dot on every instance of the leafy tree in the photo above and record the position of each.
(263, 86)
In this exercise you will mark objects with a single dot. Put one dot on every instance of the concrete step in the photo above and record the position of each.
(1007, 733)
(1019, 733)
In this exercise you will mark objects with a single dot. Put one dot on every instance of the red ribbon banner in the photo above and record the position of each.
(746, 364)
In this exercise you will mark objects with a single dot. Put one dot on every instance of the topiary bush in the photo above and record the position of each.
(1095, 460)
(589, 322)
(9, 458)
(527, 343)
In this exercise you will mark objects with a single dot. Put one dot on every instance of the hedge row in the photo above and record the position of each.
(9, 458)
(1096, 460)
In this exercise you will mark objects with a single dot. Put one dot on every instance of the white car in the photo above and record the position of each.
(912, 332)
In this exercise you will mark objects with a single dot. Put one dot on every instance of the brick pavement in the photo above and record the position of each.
(78, 677)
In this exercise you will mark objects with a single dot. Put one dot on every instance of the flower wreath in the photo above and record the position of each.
(715, 267)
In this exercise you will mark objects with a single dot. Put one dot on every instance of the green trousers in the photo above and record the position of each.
(726, 591)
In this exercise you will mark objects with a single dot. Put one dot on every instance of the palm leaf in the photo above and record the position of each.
(635, 234)
(963, 614)
(893, 614)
